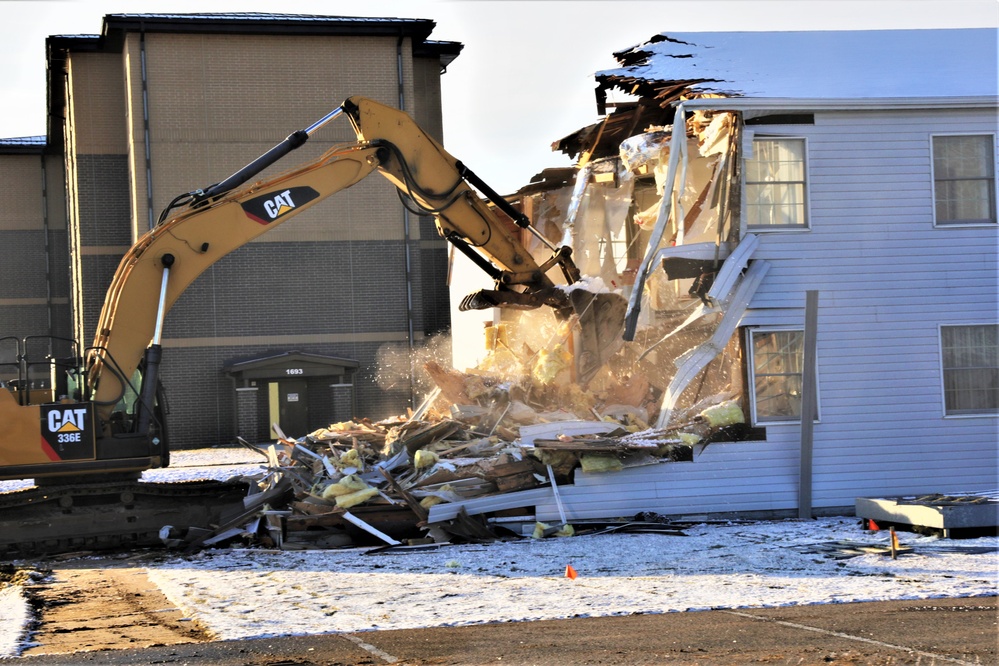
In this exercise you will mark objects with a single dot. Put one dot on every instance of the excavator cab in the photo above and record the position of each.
(43, 386)
(41, 369)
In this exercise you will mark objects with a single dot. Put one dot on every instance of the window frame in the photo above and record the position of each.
(750, 355)
(937, 224)
(806, 225)
(943, 379)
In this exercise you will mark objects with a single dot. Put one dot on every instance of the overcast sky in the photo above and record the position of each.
(525, 77)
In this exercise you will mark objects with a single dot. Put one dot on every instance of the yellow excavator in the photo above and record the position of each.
(109, 423)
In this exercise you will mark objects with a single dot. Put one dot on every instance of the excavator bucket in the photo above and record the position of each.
(601, 324)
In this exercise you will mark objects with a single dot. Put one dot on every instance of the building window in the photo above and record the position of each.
(964, 184)
(775, 185)
(970, 356)
(776, 360)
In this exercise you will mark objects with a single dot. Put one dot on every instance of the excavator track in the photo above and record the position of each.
(48, 520)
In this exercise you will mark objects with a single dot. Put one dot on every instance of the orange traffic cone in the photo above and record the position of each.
(570, 572)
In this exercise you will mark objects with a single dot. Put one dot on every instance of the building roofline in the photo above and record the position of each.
(248, 23)
(844, 104)
(23, 145)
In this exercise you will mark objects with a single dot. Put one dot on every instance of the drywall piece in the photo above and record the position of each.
(695, 360)
(558, 498)
(937, 511)
(578, 189)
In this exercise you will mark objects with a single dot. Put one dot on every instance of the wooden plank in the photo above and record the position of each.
(592, 444)
(549, 431)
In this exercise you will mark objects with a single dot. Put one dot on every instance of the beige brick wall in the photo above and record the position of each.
(21, 194)
(219, 101)
(96, 93)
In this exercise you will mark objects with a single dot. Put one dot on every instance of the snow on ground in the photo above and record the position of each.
(242, 593)
(217, 464)
(208, 464)
(15, 614)
(245, 593)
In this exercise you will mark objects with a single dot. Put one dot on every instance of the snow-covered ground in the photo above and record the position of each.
(714, 566)
(239, 593)
(15, 614)
(212, 464)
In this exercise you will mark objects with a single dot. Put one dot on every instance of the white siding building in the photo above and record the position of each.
(867, 173)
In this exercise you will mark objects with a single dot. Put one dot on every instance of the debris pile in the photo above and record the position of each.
(475, 437)
(488, 445)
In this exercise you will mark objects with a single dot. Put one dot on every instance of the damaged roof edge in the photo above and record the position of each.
(842, 104)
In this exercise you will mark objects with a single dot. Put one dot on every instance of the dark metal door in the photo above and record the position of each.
(293, 407)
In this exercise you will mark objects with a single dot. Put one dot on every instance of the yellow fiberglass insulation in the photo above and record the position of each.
(594, 462)
(723, 414)
(549, 364)
(347, 501)
(352, 458)
(424, 458)
(348, 484)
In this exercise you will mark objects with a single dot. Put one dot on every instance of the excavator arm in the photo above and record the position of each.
(438, 184)
(166, 260)
(201, 227)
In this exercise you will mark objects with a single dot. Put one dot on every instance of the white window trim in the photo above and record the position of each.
(940, 365)
(796, 229)
(751, 377)
(933, 184)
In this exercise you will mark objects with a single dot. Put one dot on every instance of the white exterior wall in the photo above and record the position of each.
(887, 280)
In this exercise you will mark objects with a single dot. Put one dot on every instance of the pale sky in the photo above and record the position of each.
(525, 76)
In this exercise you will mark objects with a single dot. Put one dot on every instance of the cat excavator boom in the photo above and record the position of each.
(96, 430)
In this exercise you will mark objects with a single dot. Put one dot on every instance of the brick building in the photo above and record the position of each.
(288, 328)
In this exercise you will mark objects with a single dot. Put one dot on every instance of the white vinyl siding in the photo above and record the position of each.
(970, 359)
(776, 184)
(964, 184)
(888, 279)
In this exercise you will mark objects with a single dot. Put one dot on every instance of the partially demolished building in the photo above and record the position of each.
(804, 222)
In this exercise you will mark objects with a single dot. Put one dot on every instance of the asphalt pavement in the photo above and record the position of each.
(922, 632)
